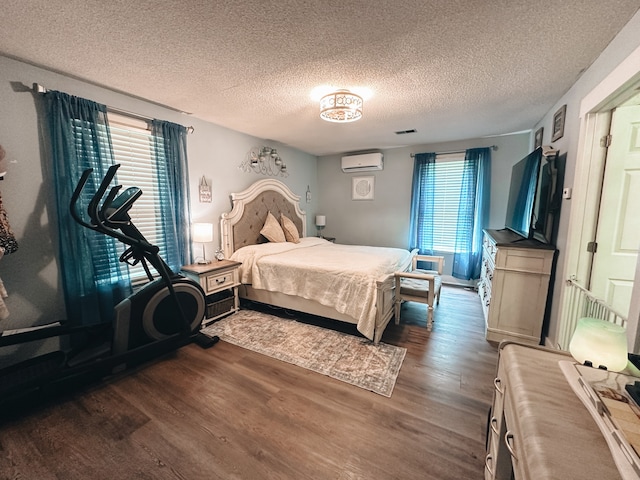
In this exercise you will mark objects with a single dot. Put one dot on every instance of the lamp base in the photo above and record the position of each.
(204, 262)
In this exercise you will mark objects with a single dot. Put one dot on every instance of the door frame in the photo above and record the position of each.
(595, 119)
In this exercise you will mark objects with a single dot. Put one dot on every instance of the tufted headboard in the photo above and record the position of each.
(241, 226)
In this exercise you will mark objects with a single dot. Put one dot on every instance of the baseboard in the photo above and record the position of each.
(456, 282)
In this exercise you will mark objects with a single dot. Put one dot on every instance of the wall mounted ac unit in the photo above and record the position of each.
(364, 162)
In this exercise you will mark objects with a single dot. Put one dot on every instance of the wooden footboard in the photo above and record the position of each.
(385, 299)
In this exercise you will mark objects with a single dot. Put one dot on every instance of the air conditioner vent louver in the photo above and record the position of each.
(365, 162)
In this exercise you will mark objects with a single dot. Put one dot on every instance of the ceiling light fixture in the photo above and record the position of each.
(341, 106)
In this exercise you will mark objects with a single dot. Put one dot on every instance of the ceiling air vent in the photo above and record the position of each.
(404, 132)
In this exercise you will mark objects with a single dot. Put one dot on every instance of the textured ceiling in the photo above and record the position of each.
(449, 69)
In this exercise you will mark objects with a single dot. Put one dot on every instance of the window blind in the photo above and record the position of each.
(133, 149)
(448, 182)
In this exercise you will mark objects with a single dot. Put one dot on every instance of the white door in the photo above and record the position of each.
(618, 233)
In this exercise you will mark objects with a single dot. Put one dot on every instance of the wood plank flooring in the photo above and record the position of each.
(228, 413)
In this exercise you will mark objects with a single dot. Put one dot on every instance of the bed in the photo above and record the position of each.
(349, 283)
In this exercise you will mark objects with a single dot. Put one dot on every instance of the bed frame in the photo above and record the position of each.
(241, 226)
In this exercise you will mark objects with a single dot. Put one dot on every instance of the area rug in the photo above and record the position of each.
(351, 359)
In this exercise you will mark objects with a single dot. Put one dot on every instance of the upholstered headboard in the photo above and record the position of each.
(241, 226)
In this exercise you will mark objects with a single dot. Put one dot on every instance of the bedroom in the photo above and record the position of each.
(215, 152)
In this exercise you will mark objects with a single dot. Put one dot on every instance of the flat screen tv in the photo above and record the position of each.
(522, 194)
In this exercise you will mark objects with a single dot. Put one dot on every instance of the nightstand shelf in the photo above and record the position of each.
(220, 281)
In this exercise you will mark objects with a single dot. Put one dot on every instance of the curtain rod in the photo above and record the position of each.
(37, 88)
(450, 152)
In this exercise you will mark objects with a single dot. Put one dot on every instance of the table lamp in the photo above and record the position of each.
(203, 233)
(600, 343)
(321, 221)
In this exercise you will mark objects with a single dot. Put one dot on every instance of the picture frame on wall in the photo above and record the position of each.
(204, 190)
(538, 138)
(362, 188)
(558, 123)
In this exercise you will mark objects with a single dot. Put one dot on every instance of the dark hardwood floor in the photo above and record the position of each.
(228, 413)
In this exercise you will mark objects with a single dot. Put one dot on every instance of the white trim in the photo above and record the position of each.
(595, 120)
(611, 91)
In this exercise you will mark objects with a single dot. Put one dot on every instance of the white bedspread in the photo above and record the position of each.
(340, 276)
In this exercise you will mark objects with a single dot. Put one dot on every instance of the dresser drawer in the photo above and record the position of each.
(217, 281)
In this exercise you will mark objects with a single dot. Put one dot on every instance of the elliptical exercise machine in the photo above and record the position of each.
(167, 306)
(164, 314)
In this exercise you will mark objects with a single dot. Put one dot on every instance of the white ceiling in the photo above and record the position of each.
(451, 69)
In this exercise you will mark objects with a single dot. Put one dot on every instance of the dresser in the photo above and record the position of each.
(539, 429)
(514, 282)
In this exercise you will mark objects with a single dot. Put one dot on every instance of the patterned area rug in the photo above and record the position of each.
(352, 359)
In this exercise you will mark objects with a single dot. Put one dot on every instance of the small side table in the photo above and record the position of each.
(220, 281)
(330, 239)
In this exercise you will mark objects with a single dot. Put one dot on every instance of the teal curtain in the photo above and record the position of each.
(473, 213)
(93, 280)
(422, 201)
(173, 181)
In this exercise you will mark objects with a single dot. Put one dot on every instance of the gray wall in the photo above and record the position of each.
(31, 275)
(384, 221)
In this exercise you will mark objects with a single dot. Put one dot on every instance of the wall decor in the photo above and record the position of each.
(205, 191)
(558, 123)
(362, 188)
(538, 138)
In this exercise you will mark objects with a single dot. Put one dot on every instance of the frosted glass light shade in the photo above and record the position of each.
(341, 106)
(202, 232)
(321, 220)
(600, 342)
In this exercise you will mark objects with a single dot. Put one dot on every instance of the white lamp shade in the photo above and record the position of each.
(600, 342)
(321, 220)
(202, 232)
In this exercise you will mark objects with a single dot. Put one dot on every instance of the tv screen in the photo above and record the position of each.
(522, 194)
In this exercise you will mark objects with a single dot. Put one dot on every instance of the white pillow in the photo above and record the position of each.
(272, 230)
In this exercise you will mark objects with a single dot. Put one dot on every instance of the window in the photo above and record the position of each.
(448, 173)
(134, 149)
(450, 205)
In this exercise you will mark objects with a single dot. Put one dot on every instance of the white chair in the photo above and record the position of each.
(419, 285)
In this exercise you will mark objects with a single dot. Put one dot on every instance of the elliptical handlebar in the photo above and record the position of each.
(74, 199)
(98, 214)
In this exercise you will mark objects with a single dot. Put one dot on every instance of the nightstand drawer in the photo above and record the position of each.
(218, 281)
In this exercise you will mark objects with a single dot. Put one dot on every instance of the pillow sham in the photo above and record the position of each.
(289, 228)
(272, 230)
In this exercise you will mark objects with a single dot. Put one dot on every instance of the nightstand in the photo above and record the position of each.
(220, 281)
(330, 239)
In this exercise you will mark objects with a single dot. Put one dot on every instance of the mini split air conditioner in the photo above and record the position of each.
(365, 162)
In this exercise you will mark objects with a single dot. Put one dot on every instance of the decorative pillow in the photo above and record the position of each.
(289, 229)
(272, 230)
